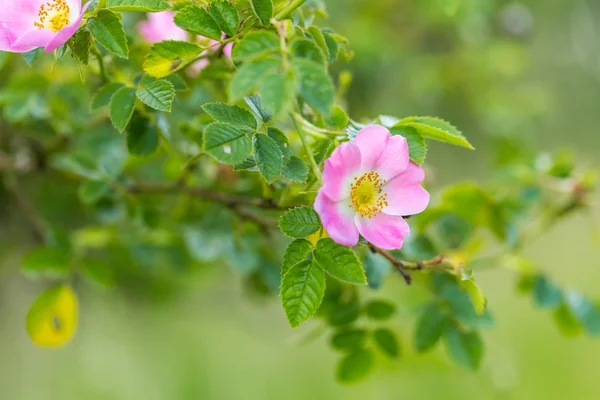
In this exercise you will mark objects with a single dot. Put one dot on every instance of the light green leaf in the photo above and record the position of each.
(339, 262)
(277, 91)
(80, 46)
(249, 164)
(466, 348)
(438, 129)
(387, 342)
(319, 39)
(198, 21)
(263, 10)
(170, 56)
(256, 104)
(156, 93)
(249, 76)
(142, 136)
(103, 96)
(226, 16)
(586, 312)
(137, 5)
(380, 310)
(349, 339)
(52, 319)
(268, 156)
(91, 191)
(121, 107)
(338, 118)
(255, 44)
(233, 115)
(300, 222)
(417, 147)
(226, 143)
(296, 170)
(52, 261)
(355, 366)
(302, 290)
(316, 86)
(567, 322)
(430, 327)
(297, 251)
(107, 29)
(333, 47)
(308, 49)
(546, 293)
(475, 294)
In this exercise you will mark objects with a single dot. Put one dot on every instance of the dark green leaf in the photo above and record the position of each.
(269, 158)
(103, 96)
(348, 339)
(316, 86)
(142, 137)
(107, 29)
(300, 222)
(156, 93)
(417, 147)
(198, 21)
(306, 48)
(122, 104)
(233, 115)
(302, 290)
(466, 348)
(546, 294)
(296, 170)
(254, 45)
(387, 342)
(355, 366)
(430, 327)
(380, 310)
(226, 143)
(296, 252)
(340, 262)
(80, 46)
(226, 16)
(263, 10)
(52, 261)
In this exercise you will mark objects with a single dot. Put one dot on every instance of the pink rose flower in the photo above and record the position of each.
(368, 185)
(161, 26)
(28, 24)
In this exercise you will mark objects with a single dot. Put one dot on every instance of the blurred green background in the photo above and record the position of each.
(527, 71)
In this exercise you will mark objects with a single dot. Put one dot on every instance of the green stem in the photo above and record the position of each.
(315, 129)
(311, 158)
(103, 73)
(287, 10)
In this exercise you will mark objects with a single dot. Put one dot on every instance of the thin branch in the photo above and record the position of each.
(37, 224)
(405, 266)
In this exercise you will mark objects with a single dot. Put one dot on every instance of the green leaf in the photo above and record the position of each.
(296, 170)
(417, 148)
(52, 319)
(282, 141)
(52, 261)
(80, 46)
(263, 9)
(296, 252)
(277, 91)
(92, 191)
(269, 158)
(586, 312)
(349, 339)
(355, 366)
(233, 115)
(466, 348)
(475, 294)
(142, 136)
(107, 29)
(546, 293)
(332, 45)
(226, 143)
(249, 164)
(137, 5)
(121, 107)
(380, 310)
(103, 96)
(302, 290)
(429, 328)
(306, 48)
(156, 93)
(198, 21)
(255, 44)
(248, 78)
(316, 86)
(567, 322)
(178, 82)
(438, 129)
(300, 222)
(337, 118)
(387, 342)
(319, 39)
(257, 106)
(339, 262)
(226, 16)
(32, 56)
(170, 56)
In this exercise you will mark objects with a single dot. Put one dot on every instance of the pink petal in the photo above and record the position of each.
(161, 26)
(340, 169)
(384, 231)
(32, 39)
(371, 141)
(337, 219)
(394, 158)
(227, 49)
(405, 196)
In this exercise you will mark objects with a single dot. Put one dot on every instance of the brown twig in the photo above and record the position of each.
(405, 266)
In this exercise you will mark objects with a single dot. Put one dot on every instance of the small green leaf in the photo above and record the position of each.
(258, 107)
(156, 93)
(348, 339)
(263, 9)
(387, 342)
(475, 294)
(316, 86)
(296, 170)
(277, 91)
(52, 261)
(32, 56)
(142, 136)
(586, 312)
(269, 158)
(103, 96)
(300, 222)
(170, 56)
(91, 191)
(296, 252)
(248, 78)
(340, 262)
(466, 348)
(380, 310)
(226, 143)
(137, 5)
(430, 327)
(233, 115)
(198, 21)
(417, 148)
(80, 46)
(249, 164)
(355, 366)
(319, 39)
(107, 29)
(226, 16)
(546, 293)
(255, 44)
(567, 322)
(438, 129)
(122, 104)
(302, 290)
(333, 46)
(306, 48)
(338, 118)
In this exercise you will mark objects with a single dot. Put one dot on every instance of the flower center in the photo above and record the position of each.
(368, 199)
(54, 15)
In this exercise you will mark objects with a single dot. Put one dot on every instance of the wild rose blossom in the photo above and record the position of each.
(28, 24)
(161, 26)
(368, 185)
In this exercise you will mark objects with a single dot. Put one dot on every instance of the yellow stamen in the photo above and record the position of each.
(54, 15)
(368, 198)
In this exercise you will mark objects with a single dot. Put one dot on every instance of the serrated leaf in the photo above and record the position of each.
(300, 222)
(308, 49)
(255, 44)
(198, 21)
(387, 342)
(80, 46)
(52, 319)
(429, 329)
(339, 262)
(380, 310)
(282, 141)
(226, 143)
(316, 86)
(277, 91)
(296, 170)
(268, 156)
(465, 348)
(233, 115)
(156, 93)
(249, 76)
(256, 104)
(226, 16)
(263, 9)
(348, 339)
(249, 164)
(52, 261)
(107, 29)
(142, 136)
(104, 94)
(302, 290)
(296, 252)
(137, 5)
(355, 366)
(417, 148)
(170, 56)
(122, 104)
(438, 129)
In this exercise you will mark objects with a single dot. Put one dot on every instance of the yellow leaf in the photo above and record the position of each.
(475, 294)
(52, 319)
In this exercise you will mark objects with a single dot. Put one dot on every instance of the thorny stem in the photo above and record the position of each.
(404, 266)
